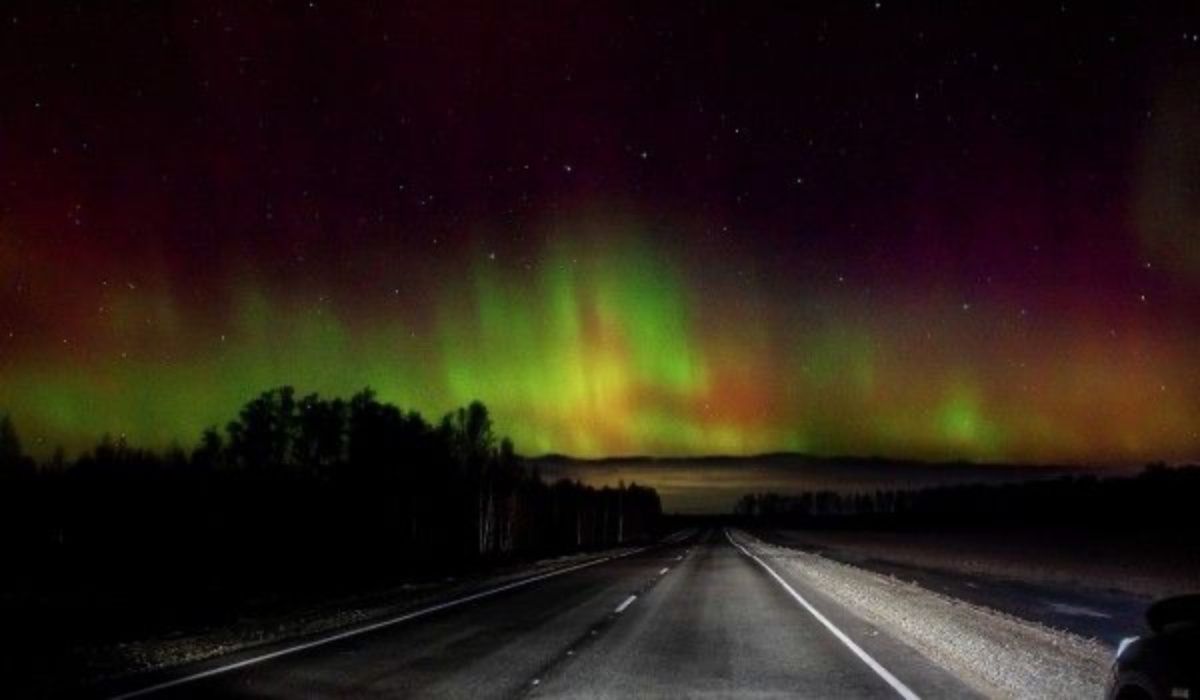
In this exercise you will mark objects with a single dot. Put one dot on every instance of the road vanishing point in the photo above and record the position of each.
(696, 615)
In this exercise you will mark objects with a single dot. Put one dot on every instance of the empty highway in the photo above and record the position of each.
(698, 617)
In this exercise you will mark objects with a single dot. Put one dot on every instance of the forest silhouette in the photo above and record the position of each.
(296, 501)
(1159, 499)
(311, 472)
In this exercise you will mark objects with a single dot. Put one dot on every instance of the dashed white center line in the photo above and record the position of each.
(665, 569)
(628, 601)
(354, 632)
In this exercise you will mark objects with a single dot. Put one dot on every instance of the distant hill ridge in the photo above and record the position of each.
(785, 458)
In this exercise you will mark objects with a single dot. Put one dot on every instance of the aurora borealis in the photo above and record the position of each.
(860, 229)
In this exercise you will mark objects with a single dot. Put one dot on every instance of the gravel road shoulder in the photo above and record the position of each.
(997, 654)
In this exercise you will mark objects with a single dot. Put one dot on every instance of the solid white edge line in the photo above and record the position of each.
(368, 628)
(628, 601)
(903, 690)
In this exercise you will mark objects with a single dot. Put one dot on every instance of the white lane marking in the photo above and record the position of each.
(628, 601)
(903, 690)
(369, 628)
(1076, 610)
(677, 536)
(664, 571)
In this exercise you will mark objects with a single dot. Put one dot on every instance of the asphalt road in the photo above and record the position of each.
(699, 617)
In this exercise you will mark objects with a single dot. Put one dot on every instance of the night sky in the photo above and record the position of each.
(866, 228)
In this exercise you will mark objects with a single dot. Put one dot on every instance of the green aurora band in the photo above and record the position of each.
(602, 343)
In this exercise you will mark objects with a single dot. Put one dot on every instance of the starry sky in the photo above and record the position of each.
(870, 228)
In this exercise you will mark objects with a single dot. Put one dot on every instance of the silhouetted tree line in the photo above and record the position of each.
(310, 484)
(1158, 498)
